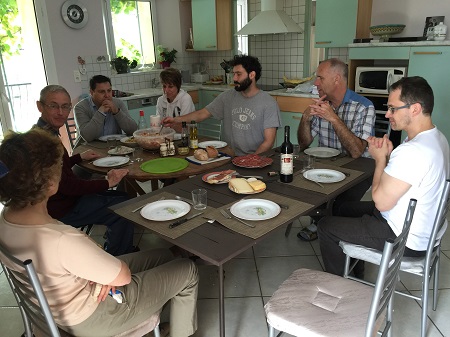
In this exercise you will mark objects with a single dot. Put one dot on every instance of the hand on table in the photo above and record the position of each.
(115, 176)
(89, 155)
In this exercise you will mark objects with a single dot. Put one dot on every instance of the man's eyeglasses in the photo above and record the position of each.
(56, 107)
(393, 109)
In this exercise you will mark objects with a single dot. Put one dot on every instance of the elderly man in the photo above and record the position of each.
(80, 202)
(342, 120)
(416, 169)
(250, 116)
(100, 114)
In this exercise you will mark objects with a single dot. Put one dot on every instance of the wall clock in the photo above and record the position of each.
(74, 14)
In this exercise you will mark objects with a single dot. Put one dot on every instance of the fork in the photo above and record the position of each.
(137, 209)
(228, 216)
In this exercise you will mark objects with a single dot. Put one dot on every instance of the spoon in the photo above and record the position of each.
(159, 132)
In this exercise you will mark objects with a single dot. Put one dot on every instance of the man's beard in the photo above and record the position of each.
(242, 86)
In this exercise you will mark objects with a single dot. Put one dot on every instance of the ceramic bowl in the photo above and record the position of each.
(386, 30)
(150, 139)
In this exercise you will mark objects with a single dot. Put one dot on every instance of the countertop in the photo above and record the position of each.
(152, 92)
(400, 44)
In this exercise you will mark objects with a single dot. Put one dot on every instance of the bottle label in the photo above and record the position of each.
(193, 143)
(287, 164)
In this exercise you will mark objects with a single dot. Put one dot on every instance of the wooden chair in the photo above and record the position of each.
(426, 267)
(210, 127)
(34, 308)
(315, 303)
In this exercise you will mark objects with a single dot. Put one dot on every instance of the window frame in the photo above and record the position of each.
(109, 31)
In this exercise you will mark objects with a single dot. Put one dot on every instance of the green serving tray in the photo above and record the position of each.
(164, 165)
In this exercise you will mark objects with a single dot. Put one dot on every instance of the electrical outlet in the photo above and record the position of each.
(77, 76)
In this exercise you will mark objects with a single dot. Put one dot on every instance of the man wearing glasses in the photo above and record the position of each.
(80, 202)
(100, 114)
(418, 168)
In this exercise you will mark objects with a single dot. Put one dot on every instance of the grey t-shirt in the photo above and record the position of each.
(245, 118)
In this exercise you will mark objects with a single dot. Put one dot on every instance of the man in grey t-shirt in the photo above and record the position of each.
(250, 116)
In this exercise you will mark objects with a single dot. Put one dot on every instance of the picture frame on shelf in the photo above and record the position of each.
(430, 23)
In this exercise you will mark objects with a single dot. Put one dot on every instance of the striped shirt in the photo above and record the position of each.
(357, 113)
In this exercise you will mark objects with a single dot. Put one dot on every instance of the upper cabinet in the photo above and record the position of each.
(211, 24)
(339, 22)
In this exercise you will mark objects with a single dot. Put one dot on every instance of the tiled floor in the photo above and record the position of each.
(252, 277)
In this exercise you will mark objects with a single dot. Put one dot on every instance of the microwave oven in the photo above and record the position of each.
(377, 80)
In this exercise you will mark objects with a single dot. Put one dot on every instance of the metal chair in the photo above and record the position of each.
(210, 127)
(316, 303)
(426, 267)
(34, 308)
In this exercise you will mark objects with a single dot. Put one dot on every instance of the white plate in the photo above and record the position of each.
(111, 161)
(164, 210)
(255, 209)
(322, 152)
(120, 150)
(324, 175)
(118, 137)
(126, 141)
(216, 143)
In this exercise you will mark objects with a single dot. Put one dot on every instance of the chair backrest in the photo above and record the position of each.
(439, 221)
(388, 274)
(71, 128)
(29, 295)
(210, 127)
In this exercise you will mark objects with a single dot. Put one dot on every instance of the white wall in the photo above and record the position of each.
(411, 13)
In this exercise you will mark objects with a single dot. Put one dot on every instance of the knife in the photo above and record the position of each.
(181, 221)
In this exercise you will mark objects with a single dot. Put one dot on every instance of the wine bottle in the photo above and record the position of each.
(287, 158)
(193, 135)
(142, 123)
(184, 135)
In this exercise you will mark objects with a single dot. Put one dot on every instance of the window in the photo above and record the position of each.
(241, 21)
(130, 30)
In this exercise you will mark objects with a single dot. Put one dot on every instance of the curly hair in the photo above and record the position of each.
(31, 160)
(249, 63)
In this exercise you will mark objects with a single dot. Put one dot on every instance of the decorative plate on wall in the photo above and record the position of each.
(74, 14)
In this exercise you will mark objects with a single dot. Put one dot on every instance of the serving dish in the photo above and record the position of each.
(150, 139)
(386, 31)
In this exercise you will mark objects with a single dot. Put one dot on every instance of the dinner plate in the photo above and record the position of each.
(216, 143)
(111, 161)
(324, 175)
(322, 152)
(216, 82)
(120, 150)
(164, 210)
(117, 136)
(129, 141)
(164, 165)
(213, 174)
(255, 209)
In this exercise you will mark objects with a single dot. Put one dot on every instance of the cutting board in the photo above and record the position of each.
(193, 160)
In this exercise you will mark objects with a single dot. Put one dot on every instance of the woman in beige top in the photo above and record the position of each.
(71, 266)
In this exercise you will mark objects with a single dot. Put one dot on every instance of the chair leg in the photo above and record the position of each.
(271, 331)
(436, 278)
(288, 230)
(156, 331)
(425, 285)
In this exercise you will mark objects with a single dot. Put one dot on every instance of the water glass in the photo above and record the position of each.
(112, 142)
(308, 163)
(296, 151)
(199, 198)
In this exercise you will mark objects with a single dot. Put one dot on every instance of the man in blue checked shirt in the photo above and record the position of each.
(342, 120)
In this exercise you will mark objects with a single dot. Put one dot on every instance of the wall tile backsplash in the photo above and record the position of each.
(280, 55)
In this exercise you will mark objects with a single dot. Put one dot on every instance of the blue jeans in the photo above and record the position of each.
(93, 209)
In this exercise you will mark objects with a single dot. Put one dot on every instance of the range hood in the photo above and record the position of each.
(271, 20)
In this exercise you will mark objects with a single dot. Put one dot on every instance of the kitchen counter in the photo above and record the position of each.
(152, 92)
(400, 44)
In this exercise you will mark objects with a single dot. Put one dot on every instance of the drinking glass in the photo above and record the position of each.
(308, 163)
(199, 198)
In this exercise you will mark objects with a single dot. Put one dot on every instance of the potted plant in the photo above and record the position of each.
(122, 64)
(165, 57)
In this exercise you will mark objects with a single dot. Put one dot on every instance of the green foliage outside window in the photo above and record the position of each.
(10, 37)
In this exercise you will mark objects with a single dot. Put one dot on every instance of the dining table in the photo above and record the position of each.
(223, 238)
(140, 156)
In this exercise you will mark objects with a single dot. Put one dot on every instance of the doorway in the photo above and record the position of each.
(22, 71)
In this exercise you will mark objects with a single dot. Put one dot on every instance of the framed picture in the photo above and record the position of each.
(430, 22)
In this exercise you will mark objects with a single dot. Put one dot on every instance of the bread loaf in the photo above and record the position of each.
(200, 154)
(212, 152)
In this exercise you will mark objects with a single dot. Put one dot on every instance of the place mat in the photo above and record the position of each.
(164, 165)
(162, 227)
(301, 182)
(335, 161)
(264, 226)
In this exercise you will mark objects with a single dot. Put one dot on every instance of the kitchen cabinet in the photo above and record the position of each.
(432, 63)
(147, 104)
(339, 22)
(211, 24)
(194, 96)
